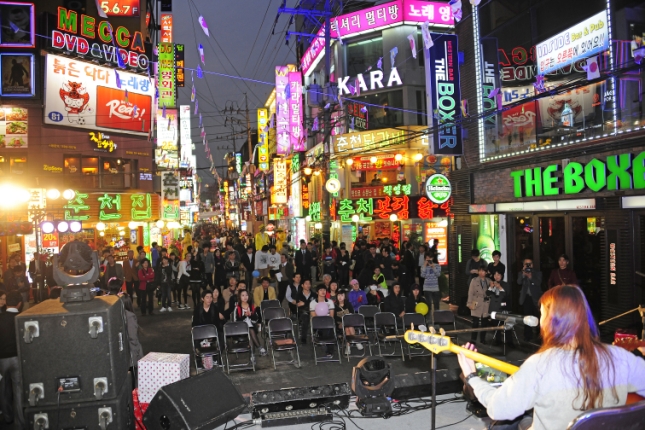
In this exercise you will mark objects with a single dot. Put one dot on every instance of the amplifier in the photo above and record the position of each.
(269, 404)
(412, 385)
(301, 416)
(78, 349)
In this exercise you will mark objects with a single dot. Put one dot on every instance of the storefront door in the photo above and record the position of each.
(587, 235)
(552, 244)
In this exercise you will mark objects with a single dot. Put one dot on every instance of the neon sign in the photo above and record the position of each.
(380, 208)
(102, 141)
(112, 207)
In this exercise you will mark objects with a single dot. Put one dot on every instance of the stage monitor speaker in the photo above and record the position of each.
(413, 385)
(205, 401)
(79, 350)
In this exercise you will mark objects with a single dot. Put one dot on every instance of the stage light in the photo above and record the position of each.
(372, 384)
(47, 227)
(398, 157)
(75, 226)
(100, 226)
(349, 161)
(62, 227)
(69, 194)
(373, 160)
(356, 218)
(53, 194)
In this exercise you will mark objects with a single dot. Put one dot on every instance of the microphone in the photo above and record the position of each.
(529, 320)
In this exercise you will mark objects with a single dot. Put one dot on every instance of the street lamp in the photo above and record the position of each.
(349, 161)
(53, 194)
(307, 171)
(373, 160)
(100, 226)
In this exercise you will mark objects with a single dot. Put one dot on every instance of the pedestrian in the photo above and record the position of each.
(563, 274)
(209, 265)
(478, 303)
(473, 265)
(531, 281)
(220, 271)
(343, 263)
(286, 276)
(303, 302)
(11, 384)
(183, 281)
(163, 278)
(146, 288)
(130, 273)
(196, 276)
(431, 272)
(496, 265)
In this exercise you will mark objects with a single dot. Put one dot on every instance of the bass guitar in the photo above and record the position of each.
(437, 343)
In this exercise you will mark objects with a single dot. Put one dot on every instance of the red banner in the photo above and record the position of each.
(115, 110)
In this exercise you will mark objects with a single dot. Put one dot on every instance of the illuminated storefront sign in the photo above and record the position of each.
(375, 18)
(279, 194)
(375, 79)
(129, 46)
(380, 208)
(444, 71)
(121, 7)
(185, 139)
(180, 62)
(438, 231)
(17, 71)
(382, 162)
(583, 40)
(113, 207)
(357, 116)
(166, 28)
(263, 136)
(296, 129)
(103, 141)
(282, 120)
(84, 95)
(415, 136)
(22, 31)
(170, 202)
(167, 90)
(397, 190)
(238, 162)
(438, 188)
(366, 192)
(166, 152)
(617, 172)
(305, 199)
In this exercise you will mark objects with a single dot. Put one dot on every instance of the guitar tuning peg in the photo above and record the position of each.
(442, 332)
(432, 330)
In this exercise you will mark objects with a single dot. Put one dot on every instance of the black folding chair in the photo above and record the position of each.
(385, 325)
(202, 349)
(238, 330)
(630, 416)
(266, 304)
(322, 325)
(417, 320)
(282, 337)
(442, 318)
(356, 321)
(368, 312)
(267, 315)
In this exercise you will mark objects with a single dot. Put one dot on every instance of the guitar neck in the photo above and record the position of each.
(485, 360)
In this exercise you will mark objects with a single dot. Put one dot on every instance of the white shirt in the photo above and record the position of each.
(261, 260)
(273, 261)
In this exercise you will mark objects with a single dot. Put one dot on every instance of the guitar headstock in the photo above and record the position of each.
(432, 342)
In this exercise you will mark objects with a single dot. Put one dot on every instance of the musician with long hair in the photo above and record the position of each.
(573, 372)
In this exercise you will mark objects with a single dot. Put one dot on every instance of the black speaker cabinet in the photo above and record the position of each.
(109, 414)
(81, 347)
(419, 384)
(205, 401)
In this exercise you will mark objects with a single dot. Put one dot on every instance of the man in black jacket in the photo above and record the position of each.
(305, 297)
(11, 384)
(304, 260)
(408, 269)
(248, 260)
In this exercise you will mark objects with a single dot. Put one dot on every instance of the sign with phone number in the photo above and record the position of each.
(121, 7)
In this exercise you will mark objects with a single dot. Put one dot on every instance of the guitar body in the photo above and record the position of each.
(631, 344)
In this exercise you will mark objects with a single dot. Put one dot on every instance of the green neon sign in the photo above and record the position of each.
(616, 172)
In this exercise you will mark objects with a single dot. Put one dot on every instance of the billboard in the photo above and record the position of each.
(282, 120)
(166, 76)
(73, 90)
(17, 71)
(166, 152)
(185, 140)
(444, 73)
(297, 131)
(13, 127)
(18, 25)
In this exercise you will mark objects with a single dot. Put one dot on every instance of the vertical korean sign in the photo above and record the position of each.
(170, 196)
(166, 81)
(180, 62)
(185, 139)
(166, 153)
(444, 66)
(166, 28)
(279, 195)
(283, 124)
(295, 112)
(263, 148)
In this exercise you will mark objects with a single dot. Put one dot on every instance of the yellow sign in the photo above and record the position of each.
(52, 169)
(412, 137)
(279, 194)
(263, 135)
(102, 141)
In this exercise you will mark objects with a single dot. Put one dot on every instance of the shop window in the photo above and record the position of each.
(72, 166)
(361, 55)
(379, 113)
(112, 171)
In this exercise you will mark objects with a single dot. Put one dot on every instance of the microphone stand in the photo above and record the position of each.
(640, 309)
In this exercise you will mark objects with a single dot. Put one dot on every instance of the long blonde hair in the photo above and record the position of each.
(568, 322)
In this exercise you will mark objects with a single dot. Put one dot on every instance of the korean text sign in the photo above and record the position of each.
(84, 95)
(282, 110)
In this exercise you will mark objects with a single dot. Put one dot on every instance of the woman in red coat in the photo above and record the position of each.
(146, 292)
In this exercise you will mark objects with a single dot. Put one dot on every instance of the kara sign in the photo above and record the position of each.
(85, 95)
(583, 40)
(375, 81)
(616, 172)
(438, 188)
(375, 18)
(444, 69)
(85, 36)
